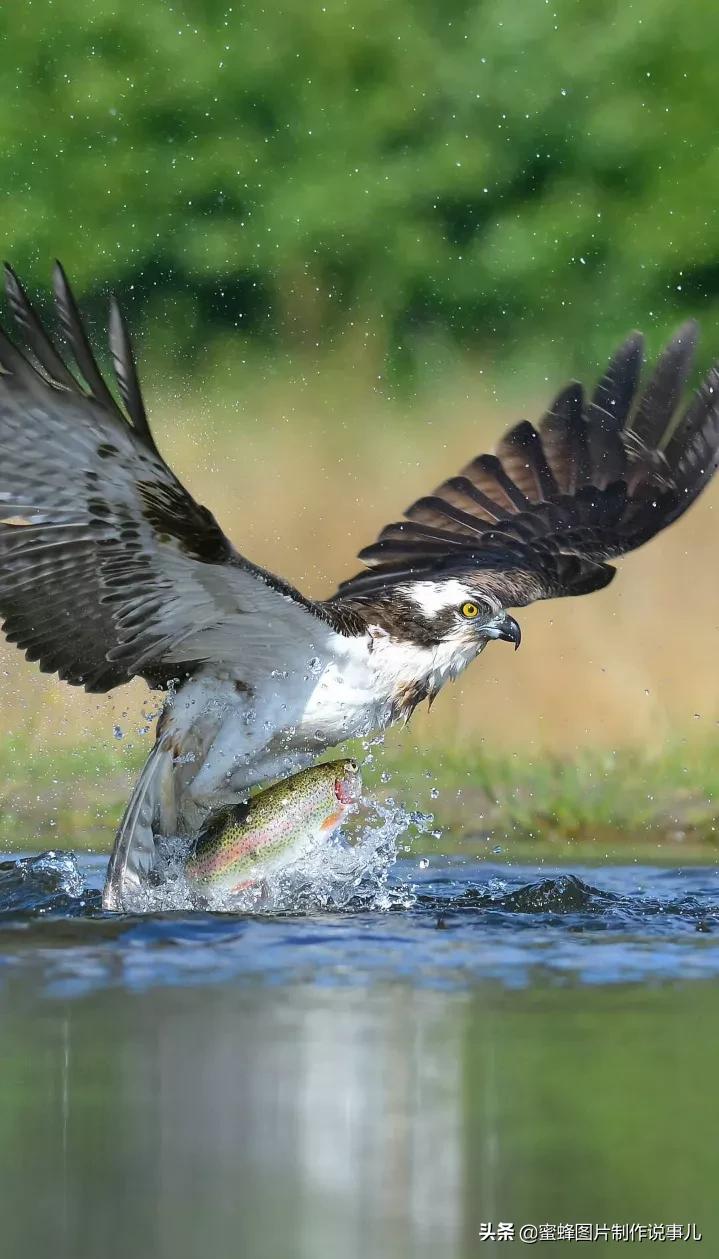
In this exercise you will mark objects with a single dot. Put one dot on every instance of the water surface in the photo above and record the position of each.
(494, 1043)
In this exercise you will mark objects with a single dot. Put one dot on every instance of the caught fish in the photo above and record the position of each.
(243, 844)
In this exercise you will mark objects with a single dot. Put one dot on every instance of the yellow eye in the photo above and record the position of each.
(470, 610)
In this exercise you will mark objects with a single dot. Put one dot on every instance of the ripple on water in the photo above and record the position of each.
(369, 921)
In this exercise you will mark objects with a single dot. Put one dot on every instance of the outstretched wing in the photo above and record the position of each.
(596, 478)
(108, 567)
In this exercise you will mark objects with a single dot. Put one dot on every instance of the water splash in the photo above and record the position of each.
(48, 883)
(351, 869)
(453, 924)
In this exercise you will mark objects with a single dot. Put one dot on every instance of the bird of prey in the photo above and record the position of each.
(109, 568)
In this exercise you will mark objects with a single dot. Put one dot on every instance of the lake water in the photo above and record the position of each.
(497, 1043)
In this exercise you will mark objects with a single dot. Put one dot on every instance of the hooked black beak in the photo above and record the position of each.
(506, 628)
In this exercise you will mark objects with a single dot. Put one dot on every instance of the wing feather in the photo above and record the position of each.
(71, 322)
(33, 333)
(128, 383)
(108, 566)
(595, 479)
(615, 391)
(660, 397)
(522, 456)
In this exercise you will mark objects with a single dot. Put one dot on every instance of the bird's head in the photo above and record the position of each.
(449, 621)
(457, 614)
(424, 632)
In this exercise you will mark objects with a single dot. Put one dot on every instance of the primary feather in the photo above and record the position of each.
(597, 477)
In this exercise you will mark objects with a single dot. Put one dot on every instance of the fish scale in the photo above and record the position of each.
(279, 825)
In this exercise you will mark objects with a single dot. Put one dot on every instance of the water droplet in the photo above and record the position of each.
(188, 759)
(118, 732)
(434, 793)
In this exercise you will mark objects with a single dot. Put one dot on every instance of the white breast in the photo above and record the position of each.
(357, 688)
(284, 720)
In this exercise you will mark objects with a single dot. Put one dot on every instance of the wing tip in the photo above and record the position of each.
(60, 282)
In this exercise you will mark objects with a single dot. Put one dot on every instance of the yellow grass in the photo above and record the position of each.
(302, 473)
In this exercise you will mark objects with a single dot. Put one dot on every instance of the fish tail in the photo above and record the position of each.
(133, 855)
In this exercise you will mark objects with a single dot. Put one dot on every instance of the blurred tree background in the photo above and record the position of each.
(355, 238)
(415, 176)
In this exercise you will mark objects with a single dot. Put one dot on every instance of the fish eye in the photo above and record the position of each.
(353, 766)
(470, 610)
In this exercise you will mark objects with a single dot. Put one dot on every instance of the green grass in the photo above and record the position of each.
(592, 806)
(64, 797)
(595, 804)
(592, 791)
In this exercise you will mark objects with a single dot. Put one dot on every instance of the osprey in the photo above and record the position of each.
(109, 569)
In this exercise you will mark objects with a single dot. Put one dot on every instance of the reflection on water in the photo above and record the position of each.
(207, 1123)
(314, 1122)
(356, 1084)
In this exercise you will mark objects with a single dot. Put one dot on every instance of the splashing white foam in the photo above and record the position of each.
(352, 868)
(58, 870)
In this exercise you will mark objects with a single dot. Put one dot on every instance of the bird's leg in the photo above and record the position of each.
(200, 796)
(213, 785)
(199, 802)
(224, 776)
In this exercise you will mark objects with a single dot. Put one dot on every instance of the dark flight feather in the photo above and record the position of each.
(522, 457)
(564, 437)
(123, 361)
(615, 390)
(71, 321)
(31, 329)
(660, 397)
(596, 478)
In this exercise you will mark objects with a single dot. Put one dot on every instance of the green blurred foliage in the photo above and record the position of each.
(513, 174)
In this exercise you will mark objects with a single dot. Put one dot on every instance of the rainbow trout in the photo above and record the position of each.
(243, 844)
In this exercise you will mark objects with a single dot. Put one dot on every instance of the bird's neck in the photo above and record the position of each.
(398, 670)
